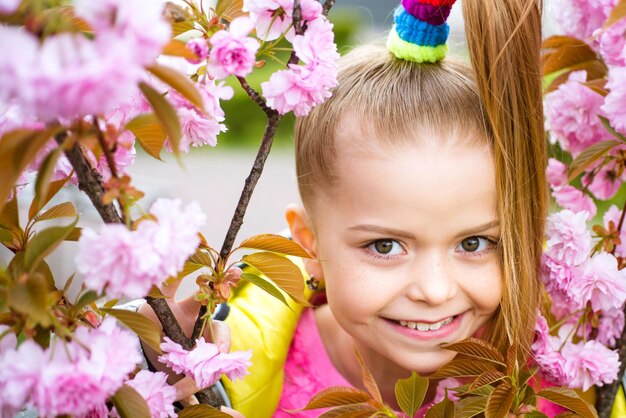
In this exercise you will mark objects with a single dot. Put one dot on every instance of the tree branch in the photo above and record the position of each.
(89, 181)
(328, 4)
(255, 96)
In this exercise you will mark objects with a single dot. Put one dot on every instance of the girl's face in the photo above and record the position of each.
(407, 244)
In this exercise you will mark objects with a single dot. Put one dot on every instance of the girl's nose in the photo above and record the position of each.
(432, 280)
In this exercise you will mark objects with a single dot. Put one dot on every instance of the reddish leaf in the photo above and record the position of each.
(350, 411)
(569, 399)
(500, 401)
(590, 156)
(276, 244)
(179, 82)
(337, 396)
(410, 393)
(477, 348)
(487, 378)
(618, 13)
(178, 49)
(444, 409)
(368, 381)
(463, 368)
(566, 52)
(149, 133)
(280, 270)
(202, 411)
(471, 406)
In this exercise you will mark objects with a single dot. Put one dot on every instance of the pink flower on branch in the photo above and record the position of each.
(569, 197)
(605, 183)
(569, 239)
(600, 282)
(556, 173)
(205, 363)
(589, 364)
(199, 47)
(273, 17)
(611, 326)
(572, 114)
(580, 18)
(128, 263)
(614, 103)
(233, 52)
(613, 44)
(9, 6)
(158, 394)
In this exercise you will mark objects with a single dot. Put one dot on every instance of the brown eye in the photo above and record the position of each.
(470, 244)
(383, 246)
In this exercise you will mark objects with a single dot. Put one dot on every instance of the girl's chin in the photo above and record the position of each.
(428, 363)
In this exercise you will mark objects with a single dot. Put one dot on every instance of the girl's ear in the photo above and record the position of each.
(302, 233)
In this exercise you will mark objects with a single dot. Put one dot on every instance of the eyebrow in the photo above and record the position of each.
(403, 234)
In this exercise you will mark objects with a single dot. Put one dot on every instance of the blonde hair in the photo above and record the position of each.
(497, 99)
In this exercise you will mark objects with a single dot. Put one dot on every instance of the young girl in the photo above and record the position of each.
(424, 200)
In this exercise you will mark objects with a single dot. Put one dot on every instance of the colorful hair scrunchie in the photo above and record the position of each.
(420, 31)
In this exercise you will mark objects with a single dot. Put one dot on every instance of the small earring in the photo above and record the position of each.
(313, 283)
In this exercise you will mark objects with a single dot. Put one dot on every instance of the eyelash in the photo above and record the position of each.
(492, 246)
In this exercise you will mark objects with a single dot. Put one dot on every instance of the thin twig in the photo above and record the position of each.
(255, 96)
(110, 162)
(298, 27)
(328, 4)
(89, 181)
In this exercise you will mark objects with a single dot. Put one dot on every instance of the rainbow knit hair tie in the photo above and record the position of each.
(420, 30)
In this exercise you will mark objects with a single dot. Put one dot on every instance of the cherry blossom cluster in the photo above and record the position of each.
(69, 378)
(128, 263)
(67, 75)
(583, 271)
(205, 364)
(587, 296)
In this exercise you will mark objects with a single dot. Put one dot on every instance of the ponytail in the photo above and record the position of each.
(504, 39)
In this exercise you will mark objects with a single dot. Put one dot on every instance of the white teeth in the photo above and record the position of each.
(421, 326)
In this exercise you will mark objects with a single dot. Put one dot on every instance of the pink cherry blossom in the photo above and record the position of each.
(588, 364)
(233, 52)
(541, 344)
(20, 371)
(299, 88)
(614, 107)
(611, 326)
(158, 394)
(569, 197)
(572, 114)
(175, 236)
(546, 354)
(600, 282)
(205, 363)
(613, 44)
(605, 183)
(8, 7)
(569, 239)
(118, 260)
(580, 18)
(174, 356)
(139, 23)
(556, 173)
(317, 45)
(273, 17)
(199, 47)
(98, 411)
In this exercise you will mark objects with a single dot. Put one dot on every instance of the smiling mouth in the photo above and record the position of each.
(423, 326)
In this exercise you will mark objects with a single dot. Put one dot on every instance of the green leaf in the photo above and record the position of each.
(74, 235)
(179, 82)
(140, 325)
(336, 396)
(188, 269)
(611, 129)
(535, 414)
(18, 149)
(31, 298)
(462, 368)
(229, 9)
(6, 236)
(265, 285)
(281, 271)
(275, 244)
(155, 293)
(368, 381)
(46, 170)
(444, 409)
(149, 133)
(569, 399)
(350, 411)
(53, 188)
(477, 348)
(500, 401)
(130, 404)
(202, 258)
(201, 411)
(410, 393)
(471, 406)
(44, 242)
(62, 210)
(589, 156)
(86, 298)
(165, 114)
